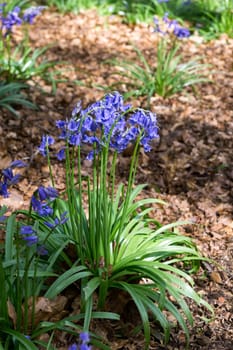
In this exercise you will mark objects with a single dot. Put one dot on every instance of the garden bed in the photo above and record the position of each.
(190, 167)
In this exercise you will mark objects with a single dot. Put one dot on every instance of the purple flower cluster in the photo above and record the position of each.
(30, 13)
(40, 198)
(108, 122)
(171, 26)
(57, 221)
(45, 143)
(28, 234)
(40, 204)
(13, 17)
(7, 177)
(85, 339)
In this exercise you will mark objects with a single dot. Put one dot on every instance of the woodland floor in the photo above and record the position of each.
(190, 168)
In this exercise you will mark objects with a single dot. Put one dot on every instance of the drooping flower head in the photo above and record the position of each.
(41, 198)
(168, 26)
(7, 177)
(28, 234)
(45, 143)
(12, 18)
(108, 122)
(83, 344)
(30, 13)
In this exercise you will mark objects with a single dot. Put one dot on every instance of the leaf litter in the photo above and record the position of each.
(190, 168)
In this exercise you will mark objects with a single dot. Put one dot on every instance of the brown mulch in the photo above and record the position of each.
(190, 168)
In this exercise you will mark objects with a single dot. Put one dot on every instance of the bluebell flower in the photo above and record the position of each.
(18, 164)
(42, 251)
(165, 18)
(84, 337)
(73, 347)
(76, 109)
(61, 124)
(73, 125)
(61, 154)
(1, 6)
(43, 209)
(3, 218)
(58, 221)
(180, 32)
(172, 26)
(91, 155)
(7, 177)
(39, 199)
(28, 235)
(11, 19)
(45, 143)
(4, 190)
(88, 124)
(75, 139)
(157, 26)
(84, 347)
(47, 193)
(147, 123)
(32, 12)
(83, 344)
(160, 1)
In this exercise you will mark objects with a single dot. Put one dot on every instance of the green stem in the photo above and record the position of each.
(25, 283)
(18, 286)
(105, 202)
(132, 173)
(50, 166)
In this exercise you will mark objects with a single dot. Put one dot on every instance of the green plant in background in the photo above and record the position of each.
(99, 238)
(170, 74)
(74, 6)
(221, 21)
(209, 17)
(11, 96)
(20, 64)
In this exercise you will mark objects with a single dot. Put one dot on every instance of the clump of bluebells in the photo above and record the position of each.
(168, 74)
(170, 27)
(16, 17)
(101, 235)
(20, 63)
(106, 123)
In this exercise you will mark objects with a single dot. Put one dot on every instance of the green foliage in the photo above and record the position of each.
(168, 76)
(11, 96)
(23, 278)
(11, 4)
(24, 65)
(209, 17)
(73, 5)
(222, 20)
(20, 64)
(112, 240)
(127, 248)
